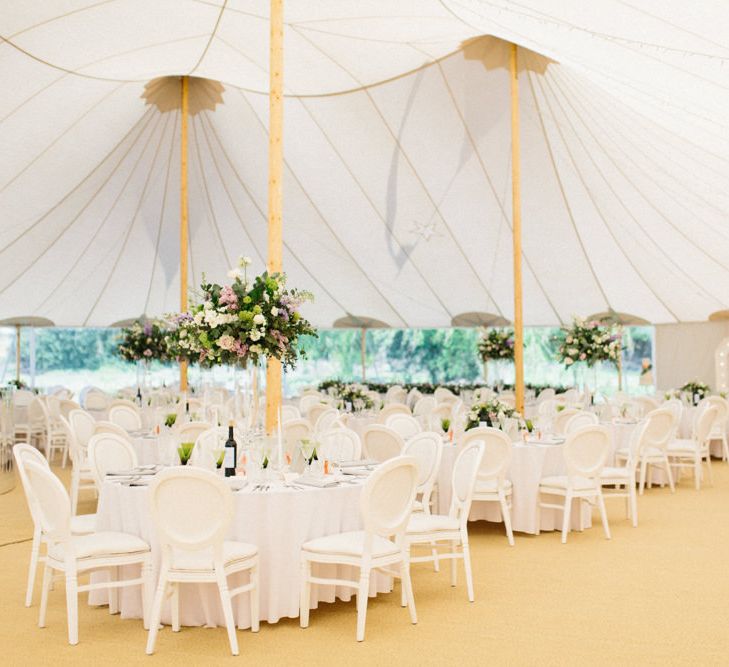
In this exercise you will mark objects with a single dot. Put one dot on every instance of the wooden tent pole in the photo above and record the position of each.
(17, 352)
(516, 215)
(363, 342)
(275, 192)
(184, 109)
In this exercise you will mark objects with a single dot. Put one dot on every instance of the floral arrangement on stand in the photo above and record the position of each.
(145, 340)
(241, 322)
(693, 392)
(497, 345)
(588, 342)
(351, 397)
(494, 413)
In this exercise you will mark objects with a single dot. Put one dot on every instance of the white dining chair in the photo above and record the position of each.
(405, 425)
(585, 453)
(424, 406)
(579, 420)
(308, 401)
(207, 445)
(325, 420)
(289, 412)
(294, 432)
(491, 482)
(653, 450)
(103, 426)
(380, 443)
(619, 481)
(719, 429)
(107, 453)
(57, 434)
(392, 409)
(127, 416)
(193, 545)
(559, 422)
(693, 452)
(339, 444)
(450, 529)
(80, 525)
(189, 431)
(73, 554)
(81, 426)
(427, 449)
(386, 504)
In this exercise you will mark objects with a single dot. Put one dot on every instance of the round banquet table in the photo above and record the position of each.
(278, 521)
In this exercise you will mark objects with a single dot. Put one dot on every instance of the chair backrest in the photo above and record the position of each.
(396, 394)
(111, 427)
(83, 425)
(509, 400)
(53, 406)
(22, 398)
(289, 412)
(424, 406)
(24, 454)
(204, 523)
(570, 396)
(126, 416)
(294, 432)
(427, 449)
(109, 453)
(413, 397)
(191, 430)
(547, 394)
(497, 450)
(95, 399)
(123, 401)
(207, 443)
(660, 428)
(37, 412)
(387, 497)
(67, 405)
(53, 506)
(579, 420)
(705, 423)
(465, 473)
(381, 443)
(308, 401)
(547, 408)
(647, 403)
(392, 409)
(635, 443)
(326, 419)
(559, 423)
(586, 451)
(406, 425)
(339, 444)
(444, 395)
(722, 406)
(316, 410)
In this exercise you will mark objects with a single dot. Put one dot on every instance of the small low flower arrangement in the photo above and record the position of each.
(352, 397)
(693, 391)
(588, 342)
(244, 321)
(497, 345)
(145, 340)
(492, 413)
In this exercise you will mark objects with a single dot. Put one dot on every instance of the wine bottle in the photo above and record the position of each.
(139, 396)
(231, 452)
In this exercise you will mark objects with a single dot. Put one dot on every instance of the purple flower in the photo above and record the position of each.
(228, 298)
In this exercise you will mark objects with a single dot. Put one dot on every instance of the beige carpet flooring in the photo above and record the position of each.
(654, 594)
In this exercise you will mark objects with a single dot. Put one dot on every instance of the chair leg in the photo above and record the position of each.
(75, 483)
(175, 606)
(454, 571)
(467, 568)
(33, 567)
(724, 448)
(407, 587)
(227, 611)
(506, 515)
(709, 469)
(255, 600)
(643, 469)
(305, 593)
(147, 590)
(633, 504)
(669, 474)
(156, 613)
(45, 588)
(436, 560)
(697, 472)
(603, 514)
(566, 517)
(72, 607)
(113, 591)
(362, 592)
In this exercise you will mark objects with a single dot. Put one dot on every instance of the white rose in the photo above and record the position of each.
(274, 311)
(255, 334)
(259, 319)
(568, 361)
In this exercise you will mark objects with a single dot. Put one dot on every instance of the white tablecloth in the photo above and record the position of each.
(156, 449)
(278, 522)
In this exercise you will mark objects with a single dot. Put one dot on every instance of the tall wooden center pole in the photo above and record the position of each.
(17, 352)
(275, 192)
(184, 107)
(516, 215)
(363, 351)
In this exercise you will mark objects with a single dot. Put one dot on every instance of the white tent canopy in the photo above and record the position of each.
(397, 191)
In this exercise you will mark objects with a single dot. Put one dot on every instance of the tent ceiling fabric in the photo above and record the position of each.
(397, 156)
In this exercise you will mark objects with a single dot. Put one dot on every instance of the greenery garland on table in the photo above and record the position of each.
(144, 340)
(587, 342)
(429, 388)
(493, 413)
(244, 321)
(497, 345)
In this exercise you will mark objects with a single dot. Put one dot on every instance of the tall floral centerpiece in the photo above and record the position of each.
(143, 342)
(586, 343)
(242, 323)
(496, 345)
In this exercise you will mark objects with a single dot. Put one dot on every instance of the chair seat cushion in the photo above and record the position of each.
(199, 561)
(616, 472)
(648, 452)
(683, 445)
(417, 506)
(83, 524)
(491, 486)
(428, 523)
(562, 482)
(350, 544)
(106, 543)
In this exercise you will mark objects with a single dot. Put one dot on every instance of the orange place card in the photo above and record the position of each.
(326, 466)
